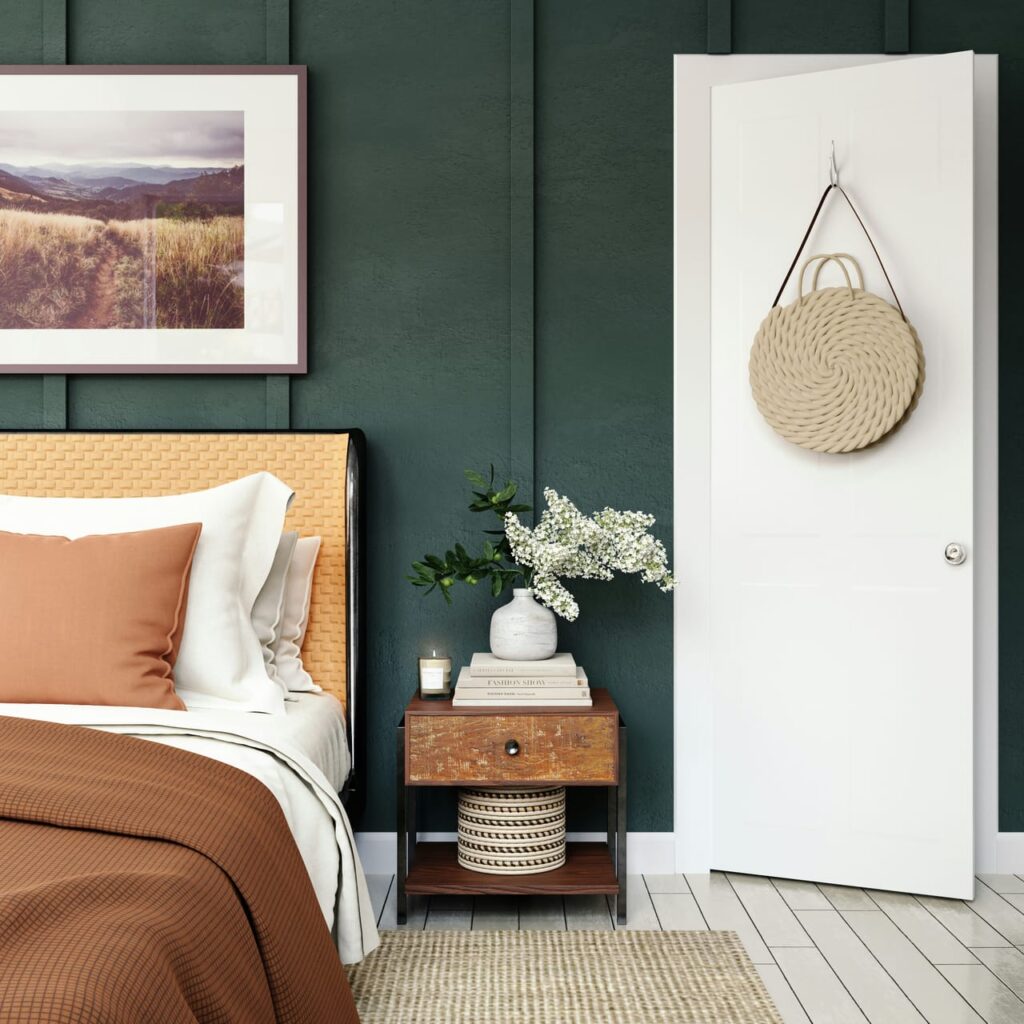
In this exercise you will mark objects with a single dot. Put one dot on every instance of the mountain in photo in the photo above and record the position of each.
(84, 190)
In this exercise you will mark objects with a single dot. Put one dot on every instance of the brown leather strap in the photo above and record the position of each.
(807, 235)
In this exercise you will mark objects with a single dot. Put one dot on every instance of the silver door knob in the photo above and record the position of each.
(956, 554)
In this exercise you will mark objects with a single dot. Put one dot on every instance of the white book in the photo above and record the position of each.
(527, 681)
(488, 665)
(519, 702)
(550, 696)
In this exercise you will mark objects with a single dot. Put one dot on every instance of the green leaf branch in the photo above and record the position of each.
(495, 565)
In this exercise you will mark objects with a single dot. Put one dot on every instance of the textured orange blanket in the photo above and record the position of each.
(143, 883)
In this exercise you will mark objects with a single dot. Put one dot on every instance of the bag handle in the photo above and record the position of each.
(807, 234)
(835, 257)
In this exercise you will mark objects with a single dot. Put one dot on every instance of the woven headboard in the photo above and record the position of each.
(317, 466)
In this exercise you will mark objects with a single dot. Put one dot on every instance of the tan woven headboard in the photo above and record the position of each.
(118, 465)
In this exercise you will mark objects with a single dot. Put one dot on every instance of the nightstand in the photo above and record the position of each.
(442, 745)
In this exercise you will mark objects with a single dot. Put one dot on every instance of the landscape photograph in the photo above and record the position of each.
(122, 219)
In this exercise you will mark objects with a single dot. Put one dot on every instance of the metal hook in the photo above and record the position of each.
(833, 170)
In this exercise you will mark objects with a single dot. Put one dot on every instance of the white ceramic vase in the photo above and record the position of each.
(523, 629)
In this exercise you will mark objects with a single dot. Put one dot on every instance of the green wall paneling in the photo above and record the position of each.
(167, 401)
(423, 273)
(897, 26)
(278, 49)
(278, 31)
(808, 26)
(55, 31)
(278, 401)
(521, 250)
(409, 301)
(166, 31)
(604, 330)
(1011, 445)
(55, 401)
(21, 38)
(719, 26)
(21, 402)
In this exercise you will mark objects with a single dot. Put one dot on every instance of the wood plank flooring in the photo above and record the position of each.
(827, 954)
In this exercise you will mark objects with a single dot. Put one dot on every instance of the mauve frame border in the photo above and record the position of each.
(300, 366)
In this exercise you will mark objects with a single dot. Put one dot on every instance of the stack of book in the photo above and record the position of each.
(494, 682)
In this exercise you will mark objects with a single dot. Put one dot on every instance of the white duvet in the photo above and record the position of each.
(253, 743)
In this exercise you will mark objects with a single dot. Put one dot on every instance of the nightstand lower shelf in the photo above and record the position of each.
(435, 871)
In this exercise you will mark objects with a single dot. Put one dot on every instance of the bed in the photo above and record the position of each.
(309, 759)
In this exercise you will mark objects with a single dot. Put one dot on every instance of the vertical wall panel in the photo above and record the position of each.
(719, 26)
(521, 237)
(604, 330)
(409, 303)
(278, 29)
(897, 26)
(167, 31)
(55, 31)
(807, 26)
(21, 41)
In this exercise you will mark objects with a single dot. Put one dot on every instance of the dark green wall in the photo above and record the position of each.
(420, 283)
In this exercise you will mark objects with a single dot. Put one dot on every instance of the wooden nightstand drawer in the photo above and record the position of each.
(453, 749)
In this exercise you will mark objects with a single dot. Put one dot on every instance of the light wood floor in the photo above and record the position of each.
(827, 954)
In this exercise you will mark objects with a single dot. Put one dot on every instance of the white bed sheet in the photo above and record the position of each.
(315, 724)
(297, 756)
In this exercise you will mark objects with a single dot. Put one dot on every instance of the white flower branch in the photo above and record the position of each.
(566, 544)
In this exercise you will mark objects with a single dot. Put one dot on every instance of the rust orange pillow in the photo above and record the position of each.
(96, 620)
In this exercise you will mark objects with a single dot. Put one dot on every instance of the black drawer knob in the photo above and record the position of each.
(512, 748)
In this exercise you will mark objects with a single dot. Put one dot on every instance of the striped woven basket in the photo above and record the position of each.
(512, 831)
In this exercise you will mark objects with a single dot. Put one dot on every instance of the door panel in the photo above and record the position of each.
(841, 641)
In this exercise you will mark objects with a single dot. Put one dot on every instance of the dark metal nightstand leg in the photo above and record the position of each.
(401, 905)
(613, 821)
(620, 845)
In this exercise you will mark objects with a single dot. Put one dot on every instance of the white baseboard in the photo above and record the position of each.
(651, 853)
(1009, 854)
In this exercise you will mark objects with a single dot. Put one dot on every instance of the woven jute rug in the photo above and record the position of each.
(620, 977)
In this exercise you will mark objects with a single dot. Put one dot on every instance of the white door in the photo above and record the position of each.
(841, 640)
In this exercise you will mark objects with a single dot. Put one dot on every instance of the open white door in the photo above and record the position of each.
(841, 640)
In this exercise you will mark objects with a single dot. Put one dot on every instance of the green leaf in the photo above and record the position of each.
(477, 478)
(497, 585)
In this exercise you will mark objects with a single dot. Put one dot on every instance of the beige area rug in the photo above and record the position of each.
(620, 977)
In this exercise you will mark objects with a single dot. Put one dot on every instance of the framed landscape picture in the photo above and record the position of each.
(152, 219)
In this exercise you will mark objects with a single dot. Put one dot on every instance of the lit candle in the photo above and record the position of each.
(435, 676)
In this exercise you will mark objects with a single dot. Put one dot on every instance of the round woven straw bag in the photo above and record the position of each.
(839, 368)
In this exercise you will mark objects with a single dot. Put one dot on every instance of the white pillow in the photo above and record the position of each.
(266, 612)
(298, 589)
(220, 664)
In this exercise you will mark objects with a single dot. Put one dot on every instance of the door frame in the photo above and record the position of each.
(694, 76)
